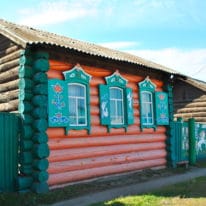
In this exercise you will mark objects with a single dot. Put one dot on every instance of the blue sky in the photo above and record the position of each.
(169, 32)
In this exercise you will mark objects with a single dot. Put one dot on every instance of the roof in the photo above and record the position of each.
(196, 83)
(24, 36)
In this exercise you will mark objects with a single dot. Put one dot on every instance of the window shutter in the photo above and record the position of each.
(104, 104)
(162, 112)
(58, 103)
(129, 106)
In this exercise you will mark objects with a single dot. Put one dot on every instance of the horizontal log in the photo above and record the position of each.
(12, 85)
(9, 75)
(53, 74)
(10, 95)
(9, 65)
(9, 50)
(191, 110)
(98, 131)
(66, 177)
(60, 65)
(190, 115)
(72, 165)
(59, 143)
(79, 153)
(191, 105)
(10, 54)
(9, 106)
(200, 119)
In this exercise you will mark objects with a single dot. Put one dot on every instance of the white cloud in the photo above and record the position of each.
(53, 12)
(191, 62)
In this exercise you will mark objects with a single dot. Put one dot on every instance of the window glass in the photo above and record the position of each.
(77, 105)
(116, 106)
(147, 108)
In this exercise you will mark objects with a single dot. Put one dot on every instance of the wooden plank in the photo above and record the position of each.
(10, 95)
(9, 74)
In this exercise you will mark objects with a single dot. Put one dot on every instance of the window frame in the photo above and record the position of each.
(116, 81)
(76, 105)
(122, 105)
(149, 87)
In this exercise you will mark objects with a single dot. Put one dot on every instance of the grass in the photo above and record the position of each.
(184, 190)
(189, 193)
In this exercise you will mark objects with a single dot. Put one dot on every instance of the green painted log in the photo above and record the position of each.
(25, 71)
(40, 187)
(41, 150)
(40, 137)
(40, 101)
(26, 169)
(40, 125)
(40, 112)
(25, 107)
(25, 95)
(40, 176)
(192, 141)
(26, 145)
(41, 164)
(41, 89)
(25, 60)
(26, 158)
(41, 55)
(41, 65)
(40, 77)
(27, 132)
(25, 84)
(24, 183)
(28, 119)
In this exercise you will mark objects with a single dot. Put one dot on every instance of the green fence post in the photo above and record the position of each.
(192, 142)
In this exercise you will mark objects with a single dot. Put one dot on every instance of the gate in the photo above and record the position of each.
(181, 139)
(189, 141)
(200, 138)
(9, 135)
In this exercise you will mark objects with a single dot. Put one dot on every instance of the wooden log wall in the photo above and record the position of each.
(189, 102)
(9, 67)
(80, 156)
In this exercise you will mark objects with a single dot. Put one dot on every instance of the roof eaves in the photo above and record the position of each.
(11, 35)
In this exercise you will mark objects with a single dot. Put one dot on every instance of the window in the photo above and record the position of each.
(147, 90)
(153, 105)
(147, 108)
(116, 103)
(77, 105)
(68, 100)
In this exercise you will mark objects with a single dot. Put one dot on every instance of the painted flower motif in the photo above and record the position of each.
(161, 96)
(57, 88)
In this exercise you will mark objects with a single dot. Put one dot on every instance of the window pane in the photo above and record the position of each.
(72, 106)
(147, 108)
(77, 106)
(116, 106)
(81, 107)
(115, 93)
(82, 121)
(76, 90)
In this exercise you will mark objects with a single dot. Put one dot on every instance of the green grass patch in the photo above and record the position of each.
(189, 193)
(72, 191)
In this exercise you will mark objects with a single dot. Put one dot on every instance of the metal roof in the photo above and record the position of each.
(24, 35)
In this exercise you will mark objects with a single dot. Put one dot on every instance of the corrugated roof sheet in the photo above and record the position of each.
(25, 35)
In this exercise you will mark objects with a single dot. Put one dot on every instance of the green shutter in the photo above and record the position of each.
(129, 106)
(161, 109)
(58, 103)
(104, 104)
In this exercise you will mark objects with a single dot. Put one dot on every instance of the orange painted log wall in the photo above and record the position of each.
(80, 156)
